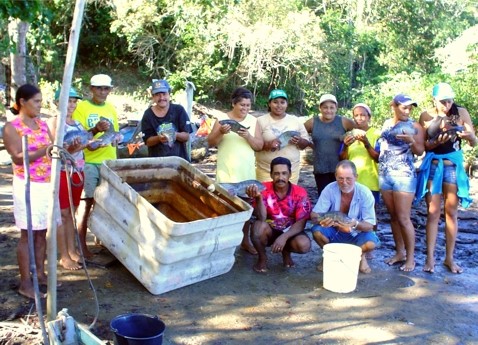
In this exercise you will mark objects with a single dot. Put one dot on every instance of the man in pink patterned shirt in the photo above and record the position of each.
(282, 209)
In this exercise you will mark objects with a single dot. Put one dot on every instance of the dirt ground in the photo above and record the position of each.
(283, 306)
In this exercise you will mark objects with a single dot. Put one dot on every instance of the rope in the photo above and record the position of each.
(68, 162)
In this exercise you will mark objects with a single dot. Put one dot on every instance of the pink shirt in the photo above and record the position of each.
(40, 169)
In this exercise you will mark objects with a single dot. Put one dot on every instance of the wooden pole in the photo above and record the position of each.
(54, 211)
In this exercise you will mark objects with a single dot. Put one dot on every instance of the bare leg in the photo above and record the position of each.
(40, 255)
(400, 254)
(299, 244)
(451, 226)
(246, 241)
(367, 247)
(66, 244)
(403, 205)
(433, 217)
(83, 214)
(26, 285)
(261, 231)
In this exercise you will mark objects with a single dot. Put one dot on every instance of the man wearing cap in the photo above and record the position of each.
(165, 126)
(88, 113)
(401, 139)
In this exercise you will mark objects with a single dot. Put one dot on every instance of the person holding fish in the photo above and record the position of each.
(442, 171)
(69, 256)
(165, 125)
(327, 131)
(345, 213)
(284, 136)
(359, 146)
(237, 137)
(28, 101)
(282, 210)
(401, 139)
(96, 115)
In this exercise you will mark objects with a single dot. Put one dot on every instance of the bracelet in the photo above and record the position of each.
(367, 146)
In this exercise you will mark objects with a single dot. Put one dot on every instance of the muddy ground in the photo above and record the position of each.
(283, 306)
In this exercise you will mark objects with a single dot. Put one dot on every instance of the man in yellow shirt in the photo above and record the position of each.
(88, 113)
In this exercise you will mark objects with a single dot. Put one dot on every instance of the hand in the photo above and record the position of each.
(408, 138)
(243, 133)
(225, 129)
(75, 146)
(278, 244)
(295, 140)
(349, 140)
(467, 135)
(162, 138)
(102, 126)
(275, 145)
(252, 191)
(327, 222)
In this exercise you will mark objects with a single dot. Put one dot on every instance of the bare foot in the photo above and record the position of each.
(364, 267)
(397, 258)
(287, 260)
(408, 266)
(320, 267)
(454, 268)
(69, 264)
(249, 248)
(75, 256)
(30, 293)
(429, 266)
(259, 269)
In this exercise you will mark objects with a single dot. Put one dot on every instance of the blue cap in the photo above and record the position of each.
(404, 100)
(442, 91)
(277, 93)
(160, 85)
(71, 94)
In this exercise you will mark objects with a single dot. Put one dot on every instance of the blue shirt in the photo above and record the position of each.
(361, 206)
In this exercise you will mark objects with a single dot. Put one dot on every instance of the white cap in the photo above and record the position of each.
(101, 80)
(327, 97)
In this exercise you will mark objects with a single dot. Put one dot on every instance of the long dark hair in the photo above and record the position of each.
(26, 92)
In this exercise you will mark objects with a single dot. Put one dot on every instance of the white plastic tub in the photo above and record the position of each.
(157, 217)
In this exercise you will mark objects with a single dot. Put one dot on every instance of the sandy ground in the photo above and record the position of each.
(283, 306)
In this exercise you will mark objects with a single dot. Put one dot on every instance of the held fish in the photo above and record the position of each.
(84, 137)
(403, 128)
(106, 138)
(451, 132)
(336, 216)
(355, 133)
(239, 188)
(235, 126)
(171, 135)
(285, 137)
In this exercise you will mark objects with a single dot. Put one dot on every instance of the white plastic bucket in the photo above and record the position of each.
(341, 265)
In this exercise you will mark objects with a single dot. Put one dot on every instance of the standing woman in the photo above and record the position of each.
(28, 100)
(442, 170)
(236, 150)
(327, 131)
(274, 124)
(401, 139)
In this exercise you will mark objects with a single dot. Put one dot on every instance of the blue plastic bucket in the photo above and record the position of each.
(137, 329)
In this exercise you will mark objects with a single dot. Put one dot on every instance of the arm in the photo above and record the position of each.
(469, 133)
(348, 124)
(215, 137)
(259, 208)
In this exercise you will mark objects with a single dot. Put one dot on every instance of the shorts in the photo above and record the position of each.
(398, 183)
(77, 180)
(277, 233)
(376, 196)
(39, 201)
(449, 173)
(335, 236)
(92, 180)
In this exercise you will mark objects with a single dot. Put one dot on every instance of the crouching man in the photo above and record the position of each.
(345, 213)
(282, 210)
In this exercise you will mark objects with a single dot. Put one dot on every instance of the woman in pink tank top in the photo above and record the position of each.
(28, 100)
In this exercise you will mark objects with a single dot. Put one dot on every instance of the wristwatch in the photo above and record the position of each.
(353, 229)
(355, 226)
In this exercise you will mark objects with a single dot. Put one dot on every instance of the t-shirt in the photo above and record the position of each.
(176, 118)
(88, 114)
(327, 138)
(282, 213)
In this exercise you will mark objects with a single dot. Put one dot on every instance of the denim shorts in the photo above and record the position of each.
(335, 236)
(398, 183)
(449, 173)
(92, 180)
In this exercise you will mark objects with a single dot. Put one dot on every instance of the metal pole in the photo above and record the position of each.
(54, 212)
(189, 99)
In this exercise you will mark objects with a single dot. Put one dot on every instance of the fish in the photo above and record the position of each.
(451, 132)
(106, 138)
(285, 137)
(336, 216)
(169, 133)
(239, 188)
(235, 126)
(355, 133)
(403, 128)
(85, 137)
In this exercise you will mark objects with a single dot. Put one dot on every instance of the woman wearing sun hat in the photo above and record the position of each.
(272, 126)
(442, 171)
(327, 131)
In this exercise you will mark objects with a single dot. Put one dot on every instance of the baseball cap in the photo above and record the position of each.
(442, 91)
(363, 105)
(327, 97)
(404, 100)
(71, 94)
(160, 85)
(101, 80)
(277, 93)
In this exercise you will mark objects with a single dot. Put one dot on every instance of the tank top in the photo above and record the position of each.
(327, 138)
(40, 169)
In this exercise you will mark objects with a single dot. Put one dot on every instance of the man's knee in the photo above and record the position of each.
(302, 244)
(368, 246)
(320, 238)
(259, 228)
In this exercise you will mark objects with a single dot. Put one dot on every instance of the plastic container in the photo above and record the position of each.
(137, 329)
(341, 266)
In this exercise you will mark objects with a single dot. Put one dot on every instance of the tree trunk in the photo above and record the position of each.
(17, 31)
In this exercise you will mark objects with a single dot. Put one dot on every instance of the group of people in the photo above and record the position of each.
(353, 165)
